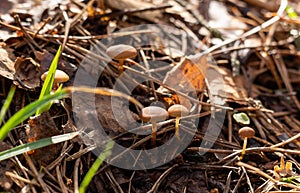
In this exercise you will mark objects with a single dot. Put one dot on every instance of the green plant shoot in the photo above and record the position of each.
(90, 174)
(48, 84)
(7, 102)
(29, 110)
(36, 144)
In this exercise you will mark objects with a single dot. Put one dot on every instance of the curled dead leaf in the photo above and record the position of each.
(28, 71)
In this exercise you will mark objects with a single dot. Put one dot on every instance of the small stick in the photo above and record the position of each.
(161, 178)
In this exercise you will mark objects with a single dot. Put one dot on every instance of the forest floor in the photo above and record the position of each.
(232, 64)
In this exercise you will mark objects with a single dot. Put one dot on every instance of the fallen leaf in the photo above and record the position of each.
(114, 116)
(228, 87)
(7, 68)
(187, 77)
(41, 127)
(28, 71)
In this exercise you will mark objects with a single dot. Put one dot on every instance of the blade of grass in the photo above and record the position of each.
(48, 83)
(90, 174)
(29, 110)
(35, 145)
(7, 102)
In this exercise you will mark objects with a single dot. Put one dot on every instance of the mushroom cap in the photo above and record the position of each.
(121, 52)
(178, 111)
(60, 76)
(153, 114)
(246, 132)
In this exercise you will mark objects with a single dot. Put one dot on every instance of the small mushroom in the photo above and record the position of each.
(153, 114)
(283, 170)
(59, 77)
(121, 52)
(177, 111)
(245, 133)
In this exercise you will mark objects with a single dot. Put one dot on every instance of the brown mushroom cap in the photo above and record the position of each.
(178, 111)
(60, 76)
(153, 113)
(121, 52)
(246, 132)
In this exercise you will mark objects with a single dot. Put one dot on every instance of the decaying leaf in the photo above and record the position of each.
(197, 72)
(114, 115)
(233, 89)
(28, 71)
(40, 127)
(7, 69)
(187, 77)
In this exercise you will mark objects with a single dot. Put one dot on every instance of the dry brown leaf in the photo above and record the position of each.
(187, 77)
(197, 72)
(230, 88)
(114, 122)
(41, 127)
(28, 71)
(7, 69)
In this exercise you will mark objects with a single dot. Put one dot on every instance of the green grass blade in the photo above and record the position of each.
(29, 110)
(35, 145)
(48, 83)
(7, 102)
(90, 174)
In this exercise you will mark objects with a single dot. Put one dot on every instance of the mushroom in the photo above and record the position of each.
(283, 170)
(153, 114)
(59, 77)
(177, 111)
(121, 52)
(245, 133)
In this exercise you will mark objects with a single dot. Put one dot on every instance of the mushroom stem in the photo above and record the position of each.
(244, 148)
(177, 127)
(121, 67)
(154, 130)
(55, 86)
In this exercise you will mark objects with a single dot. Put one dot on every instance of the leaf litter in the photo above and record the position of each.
(259, 69)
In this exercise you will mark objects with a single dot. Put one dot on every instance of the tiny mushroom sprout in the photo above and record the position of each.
(153, 114)
(177, 111)
(245, 133)
(59, 77)
(121, 52)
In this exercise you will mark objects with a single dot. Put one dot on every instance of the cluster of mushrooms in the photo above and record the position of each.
(155, 114)
(152, 114)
